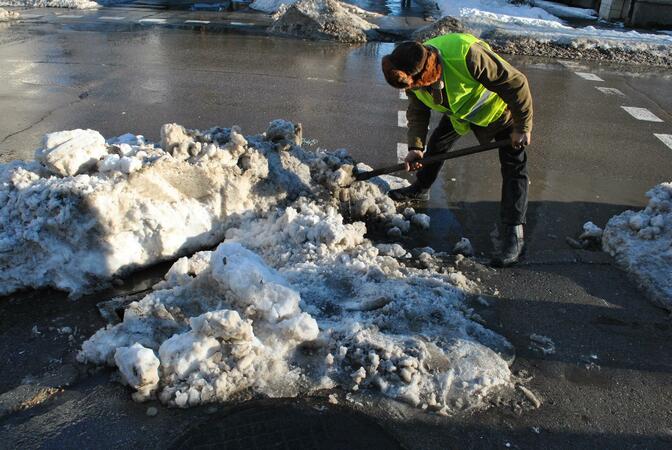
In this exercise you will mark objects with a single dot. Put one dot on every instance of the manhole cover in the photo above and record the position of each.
(287, 426)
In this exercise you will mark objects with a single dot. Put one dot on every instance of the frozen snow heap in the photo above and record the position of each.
(641, 243)
(87, 210)
(225, 325)
(6, 16)
(324, 19)
(295, 299)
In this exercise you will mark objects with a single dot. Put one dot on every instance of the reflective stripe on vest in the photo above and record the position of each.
(469, 101)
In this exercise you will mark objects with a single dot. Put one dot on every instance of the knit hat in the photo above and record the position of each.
(407, 60)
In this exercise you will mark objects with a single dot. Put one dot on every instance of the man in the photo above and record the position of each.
(475, 89)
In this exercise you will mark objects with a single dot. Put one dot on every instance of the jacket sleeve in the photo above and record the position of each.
(503, 79)
(417, 115)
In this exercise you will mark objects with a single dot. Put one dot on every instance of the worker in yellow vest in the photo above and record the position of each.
(459, 76)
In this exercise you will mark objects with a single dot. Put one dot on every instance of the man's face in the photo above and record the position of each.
(430, 74)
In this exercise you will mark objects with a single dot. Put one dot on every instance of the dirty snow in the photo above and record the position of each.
(323, 19)
(463, 247)
(296, 298)
(641, 243)
(6, 16)
(87, 210)
(74, 4)
(485, 17)
(270, 6)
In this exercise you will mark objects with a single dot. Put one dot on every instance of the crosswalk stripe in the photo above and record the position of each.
(589, 76)
(402, 151)
(665, 138)
(609, 91)
(401, 119)
(642, 114)
(205, 22)
(111, 18)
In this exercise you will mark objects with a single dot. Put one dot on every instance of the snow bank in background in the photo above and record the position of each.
(6, 16)
(75, 4)
(323, 19)
(485, 16)
(296, 299)
(641, 243)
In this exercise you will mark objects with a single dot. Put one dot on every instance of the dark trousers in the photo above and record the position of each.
(513, 206)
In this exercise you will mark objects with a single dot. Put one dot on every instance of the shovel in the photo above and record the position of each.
(361, 176)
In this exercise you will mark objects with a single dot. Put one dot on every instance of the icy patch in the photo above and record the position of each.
(560, 10)
(323, 19)
(641, 243)
(74, 4)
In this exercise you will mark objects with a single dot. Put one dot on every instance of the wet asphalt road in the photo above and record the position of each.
(589, 160)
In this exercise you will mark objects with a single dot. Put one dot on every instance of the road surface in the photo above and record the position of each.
(608, 384)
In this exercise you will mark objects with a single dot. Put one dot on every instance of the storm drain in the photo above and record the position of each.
(288, 427)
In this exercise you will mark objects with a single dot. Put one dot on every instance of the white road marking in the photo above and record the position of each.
(642, 114)
(70, 16)
(111, 18)
(666, 138)
(402, 95)
(609, 91)
(401, 119)
(152, 20)
(589, 76)
(402, 151)
(205, 22)
(328, 80)
(245, 24)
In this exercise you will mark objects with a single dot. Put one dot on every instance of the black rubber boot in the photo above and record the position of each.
(409, 194)
(512, 246)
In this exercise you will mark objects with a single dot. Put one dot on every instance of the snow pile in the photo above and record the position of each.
(74, 4)
(296, 299)
(270, 6)
(6, 16)
(641, 243)
(88, 210)
(463, 247)
(323, 19)
(335, 312)
(521, 28)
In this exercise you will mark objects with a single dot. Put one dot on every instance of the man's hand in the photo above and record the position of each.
(520, 140)
(413, 155)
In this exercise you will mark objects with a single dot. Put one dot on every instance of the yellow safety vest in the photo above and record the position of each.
(470, 102)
